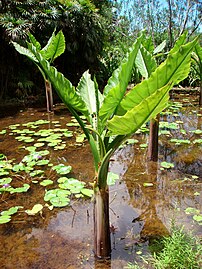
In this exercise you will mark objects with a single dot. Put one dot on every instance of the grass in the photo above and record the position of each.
(181, 250)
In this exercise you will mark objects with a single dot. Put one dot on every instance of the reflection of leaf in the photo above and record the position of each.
(36, 209)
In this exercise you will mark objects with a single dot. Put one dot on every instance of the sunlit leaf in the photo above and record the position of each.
(4, 219)
(46, 182)
(167, 165)
(87, 192)
(192, 210)
(36, 209)
(11, 211)
(112, 178)
(62, 169)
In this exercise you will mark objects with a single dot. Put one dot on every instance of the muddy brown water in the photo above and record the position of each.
(63, 238)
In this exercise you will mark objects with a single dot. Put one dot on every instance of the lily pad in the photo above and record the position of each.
(5, 180)
(3, 132)
(131, 141)
(142, 146)
(80, 138)
(148, 184)
(60, 201)
(30, 148)
(197, 131)
(57, 197)
(11, 211)
(5, 219)
(167, 165)
(180, 141)
(197, 218)
(46, 182)
(36, 173)
(42, 162)
(87, 192)
(112, 178)
(36, 209)
(197, 141)
(192, 210)
(25, 188)
(62, 169)
(38, 145)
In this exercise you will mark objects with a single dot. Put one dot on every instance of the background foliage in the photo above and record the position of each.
(97, 34)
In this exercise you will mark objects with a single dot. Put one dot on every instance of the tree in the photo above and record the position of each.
(164, 20)
(197, 65)
(82, 26)
(113, 116)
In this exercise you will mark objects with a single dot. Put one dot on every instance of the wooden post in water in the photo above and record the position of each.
(153, 139)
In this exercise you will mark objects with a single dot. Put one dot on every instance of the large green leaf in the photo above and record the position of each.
(148, 108)
(160, 47)
(34, 41)
(174, 69)
(180, 41)
(145, 63)
(87, 90)
(61, 84)
(198, 51)
(24, 51)
(55, 46)
(117, 84)
(148, 43)
(197, 55)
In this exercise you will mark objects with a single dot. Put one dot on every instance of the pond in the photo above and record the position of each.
(143, 201)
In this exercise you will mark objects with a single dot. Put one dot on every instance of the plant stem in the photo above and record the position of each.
(153, 140)
(49, 96)
(102, 240)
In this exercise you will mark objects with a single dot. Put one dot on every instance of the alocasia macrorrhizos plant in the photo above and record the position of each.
(53, 49)
(146, 64)
(113, 115)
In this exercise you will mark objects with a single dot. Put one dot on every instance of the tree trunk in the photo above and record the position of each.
(200, 94)
(102, 240)
(153, 139)
(170, 33)
(49, 95)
